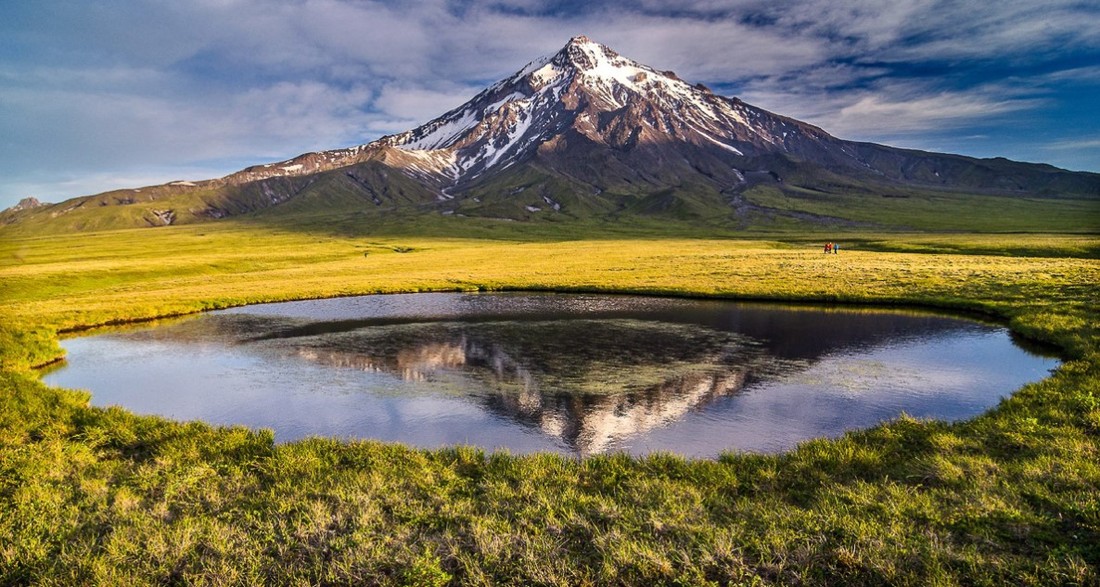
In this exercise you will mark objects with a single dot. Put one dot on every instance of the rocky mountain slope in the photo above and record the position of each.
(583, 133)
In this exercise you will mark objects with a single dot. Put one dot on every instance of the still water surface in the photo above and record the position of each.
(577, 374)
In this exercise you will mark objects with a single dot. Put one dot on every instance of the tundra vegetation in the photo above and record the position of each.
(101, 496)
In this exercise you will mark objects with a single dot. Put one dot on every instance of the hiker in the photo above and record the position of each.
(836, 249)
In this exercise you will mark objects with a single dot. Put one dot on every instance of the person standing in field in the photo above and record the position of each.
(828, 248)
(836, 249)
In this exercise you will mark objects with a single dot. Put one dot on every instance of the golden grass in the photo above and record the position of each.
(83, 280)
(96, 496)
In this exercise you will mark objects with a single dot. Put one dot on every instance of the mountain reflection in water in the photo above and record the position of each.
(587, 383)
(582, 374)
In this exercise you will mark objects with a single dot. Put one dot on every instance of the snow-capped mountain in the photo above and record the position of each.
(585, 95)
(574, 90)
(588, 131)
(559, 109)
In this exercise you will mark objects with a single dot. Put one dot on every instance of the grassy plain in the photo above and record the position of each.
(101, 496)
(924, 210)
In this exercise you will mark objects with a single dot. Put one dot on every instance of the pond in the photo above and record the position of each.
(571, 373)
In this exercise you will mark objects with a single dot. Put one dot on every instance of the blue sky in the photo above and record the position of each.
(103, 95)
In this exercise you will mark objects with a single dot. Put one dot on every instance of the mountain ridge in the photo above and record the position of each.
(590, 121)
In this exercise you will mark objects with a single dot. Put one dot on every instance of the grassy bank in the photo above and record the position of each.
(92, 495)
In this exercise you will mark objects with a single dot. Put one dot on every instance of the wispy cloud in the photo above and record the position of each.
(415, 104)
(106, 128)
(921, 112)
(1073, 144)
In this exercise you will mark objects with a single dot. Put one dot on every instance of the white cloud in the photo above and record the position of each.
(920, 113)
(709, 50)
(1074, 144)
(421, 104)
(942, 29)
(897, 110)
(1012, 30)
(211, 127)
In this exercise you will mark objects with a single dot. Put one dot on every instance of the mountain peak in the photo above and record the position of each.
(585, 54)
(574, 90)
(26, 204)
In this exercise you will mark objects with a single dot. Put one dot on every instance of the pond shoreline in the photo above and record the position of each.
(970, 310)
(652, 372)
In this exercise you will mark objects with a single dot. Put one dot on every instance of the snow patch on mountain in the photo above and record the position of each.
(428, 164)
(721, 144)
(442, 133)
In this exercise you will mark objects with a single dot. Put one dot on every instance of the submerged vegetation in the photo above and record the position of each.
(102, 496)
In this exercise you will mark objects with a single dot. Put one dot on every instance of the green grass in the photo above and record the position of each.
(939, 212)
(370, 198)
(102, 496)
